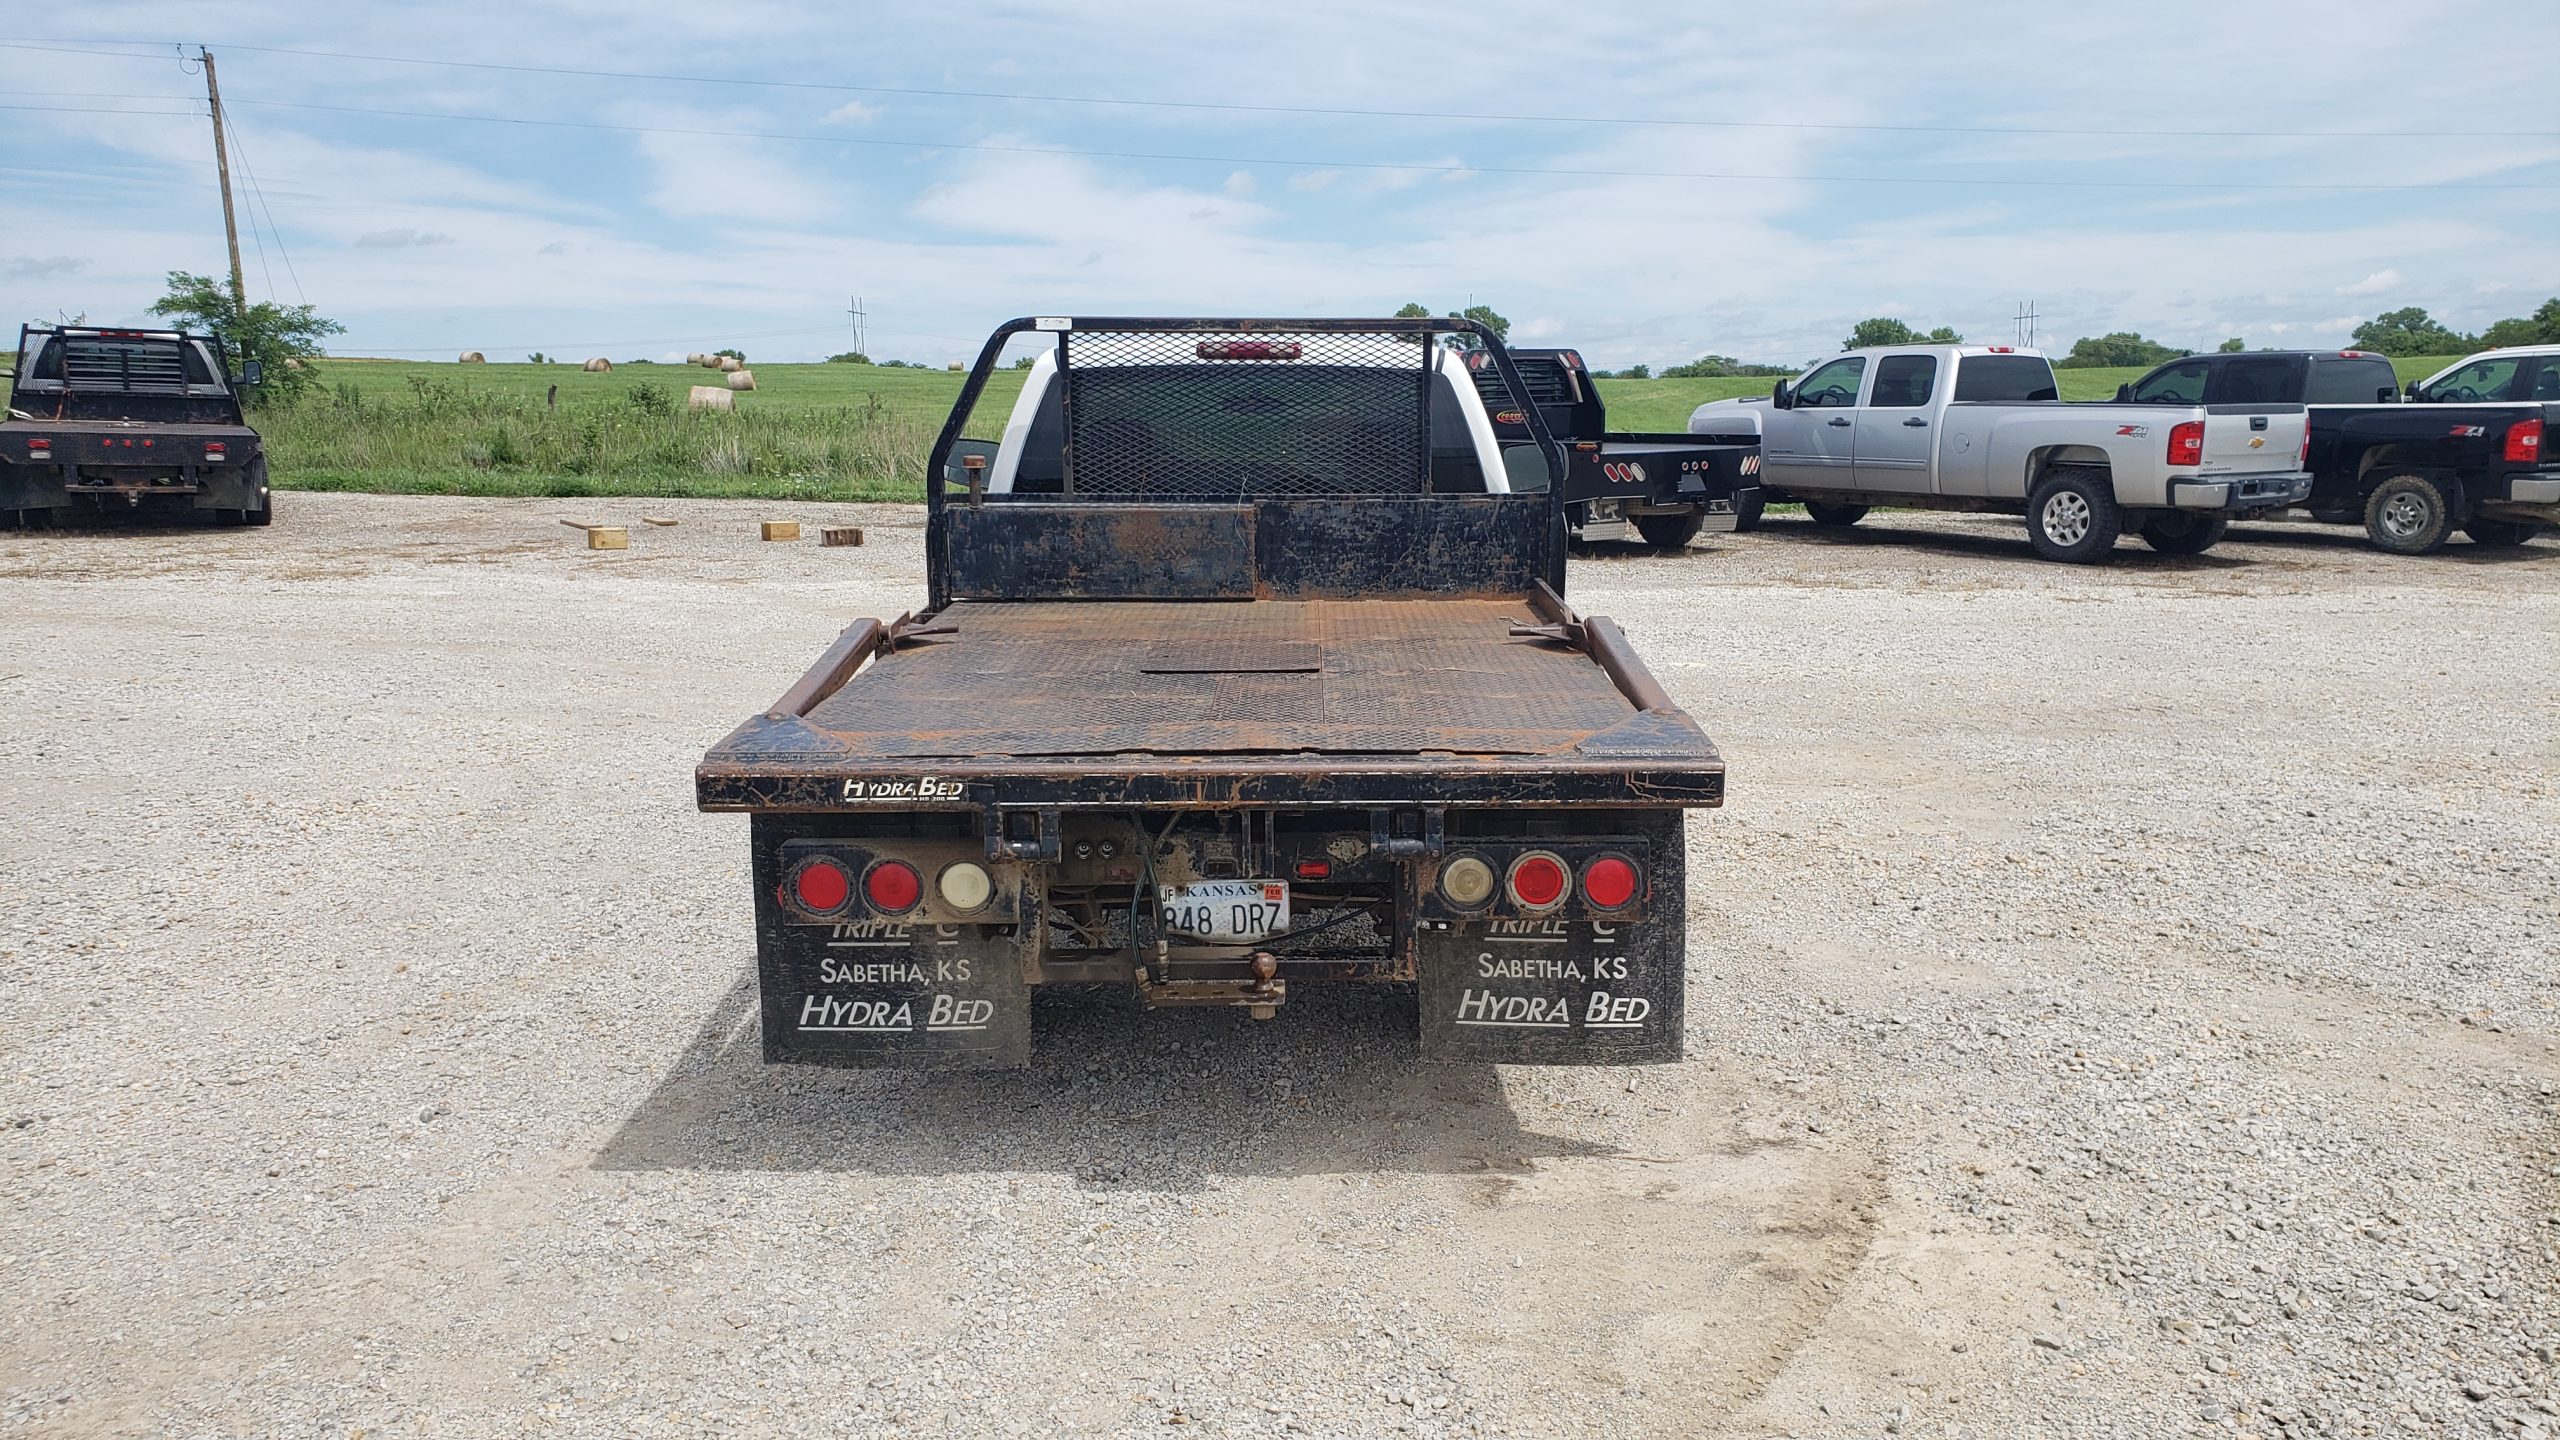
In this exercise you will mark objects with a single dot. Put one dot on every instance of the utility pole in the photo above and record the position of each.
(855, 313)
(222, 167)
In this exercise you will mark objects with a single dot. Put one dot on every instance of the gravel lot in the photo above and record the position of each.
(2122, 1003)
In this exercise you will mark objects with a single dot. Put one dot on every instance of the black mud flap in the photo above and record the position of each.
(1554, 992)
(921, 997)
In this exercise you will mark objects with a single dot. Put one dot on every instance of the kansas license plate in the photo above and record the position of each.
(1227, 909)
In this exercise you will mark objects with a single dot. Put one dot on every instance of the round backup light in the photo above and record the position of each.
(821, 886)
(1609, 883)
(893, 886)
(1467, 881)
(965, 885)
(1538, 881)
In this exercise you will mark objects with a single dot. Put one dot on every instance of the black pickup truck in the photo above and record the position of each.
(1245, 665)
(2410, 474)
(130, 420)
(1668, 486)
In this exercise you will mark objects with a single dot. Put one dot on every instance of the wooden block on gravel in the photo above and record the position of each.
(782, 529)
(656, 520)
(608, 537)
(840, 535)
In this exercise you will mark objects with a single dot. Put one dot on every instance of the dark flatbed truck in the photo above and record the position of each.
(1251, 675)
(1668, 487)
(140, 421)
(2410, 474)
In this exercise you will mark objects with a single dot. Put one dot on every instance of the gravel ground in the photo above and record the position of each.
(2122, 1003)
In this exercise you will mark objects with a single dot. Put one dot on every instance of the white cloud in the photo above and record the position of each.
(1240, 185)
(401, 238)
(2373, 284)
(851, 112)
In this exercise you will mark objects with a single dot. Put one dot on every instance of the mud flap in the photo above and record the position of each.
(922, 997)
(1553, 992)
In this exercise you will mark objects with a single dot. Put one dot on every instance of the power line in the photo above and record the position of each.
(1405, 167)
(1343, 112)
(259, 194)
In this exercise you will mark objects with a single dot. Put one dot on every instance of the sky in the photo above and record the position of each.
(1648, 183)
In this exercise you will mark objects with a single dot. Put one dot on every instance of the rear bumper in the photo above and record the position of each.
(2240, 493)
(49, 487)
(2523, 491)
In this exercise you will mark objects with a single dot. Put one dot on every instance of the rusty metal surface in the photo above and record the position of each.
(1334, 677)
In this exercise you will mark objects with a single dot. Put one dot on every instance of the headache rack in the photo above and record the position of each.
(1186, 459)
(113, 362)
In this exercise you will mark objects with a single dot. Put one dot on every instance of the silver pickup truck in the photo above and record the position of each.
(1981, 427)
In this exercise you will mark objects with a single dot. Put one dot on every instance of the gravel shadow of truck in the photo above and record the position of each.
(1335, 1085)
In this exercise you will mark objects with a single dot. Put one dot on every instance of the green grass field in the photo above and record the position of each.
(810, 432)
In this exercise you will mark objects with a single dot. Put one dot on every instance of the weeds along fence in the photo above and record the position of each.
(468, 440)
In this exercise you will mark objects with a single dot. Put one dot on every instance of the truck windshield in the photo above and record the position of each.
(2005, 377)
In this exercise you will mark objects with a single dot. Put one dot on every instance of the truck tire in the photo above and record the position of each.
(1670, 532)
(2501, 534)
(1746, 515)
(2072, 515)
(1835, 516)
(2175, 532)
(2407, 514)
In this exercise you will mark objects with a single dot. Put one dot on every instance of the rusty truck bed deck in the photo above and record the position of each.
(1215, 678)
(1092, 689)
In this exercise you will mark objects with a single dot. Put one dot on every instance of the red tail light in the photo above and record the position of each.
(2524, 443)
(893, 886)
(1248, 349)
(1314, 869)
(1537, 881)
(1609, 883)
(2186, 443)
(2302, 457)
(821, 887)
(39, 449)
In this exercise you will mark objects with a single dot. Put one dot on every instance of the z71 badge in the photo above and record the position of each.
(923, 788)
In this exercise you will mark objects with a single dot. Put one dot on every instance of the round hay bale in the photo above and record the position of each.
(597, 366)
(742, 379)
(731, 364)
(709, 397)
(712, 362)
(292, 364)
(955, 365)
(473, 357)
(695, 358)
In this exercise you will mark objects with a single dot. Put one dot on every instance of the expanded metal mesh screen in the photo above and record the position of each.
(1186, 415)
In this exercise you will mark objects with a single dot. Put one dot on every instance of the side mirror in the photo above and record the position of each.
(2384, 394)
(1783, 395)
(2412, 391)
(252, 372)
(2125, 391)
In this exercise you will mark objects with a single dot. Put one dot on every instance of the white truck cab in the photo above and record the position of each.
(1981, 427)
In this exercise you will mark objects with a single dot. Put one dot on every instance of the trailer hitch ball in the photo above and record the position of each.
(1265, 1002)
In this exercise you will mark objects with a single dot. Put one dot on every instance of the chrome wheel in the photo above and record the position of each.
(2066, 518)
(2404, 516)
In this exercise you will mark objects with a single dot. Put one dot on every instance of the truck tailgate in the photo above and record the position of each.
(2251, 438)
(1212, 678)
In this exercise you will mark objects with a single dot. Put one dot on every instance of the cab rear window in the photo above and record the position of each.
(2004, 377)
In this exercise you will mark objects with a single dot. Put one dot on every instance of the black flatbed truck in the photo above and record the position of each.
(1241, 687)
(1668, 487)
(122, 420)
(2410, 474)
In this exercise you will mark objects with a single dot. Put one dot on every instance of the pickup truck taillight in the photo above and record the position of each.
(39, 449)
(2186, 443)
(215, 452)
(2524, 442)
